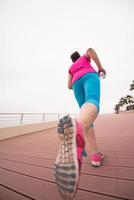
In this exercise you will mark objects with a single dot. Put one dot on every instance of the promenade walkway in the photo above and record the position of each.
(26, 164)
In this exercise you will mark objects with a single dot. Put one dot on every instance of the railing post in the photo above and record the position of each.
(44, 117)
(21, 120)
(58, 116)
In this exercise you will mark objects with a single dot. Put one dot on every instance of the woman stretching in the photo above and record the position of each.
(85, 82)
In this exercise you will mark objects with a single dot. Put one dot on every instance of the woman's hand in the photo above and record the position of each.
(101, 69)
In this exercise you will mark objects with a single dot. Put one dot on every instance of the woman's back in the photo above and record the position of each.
(80, 67)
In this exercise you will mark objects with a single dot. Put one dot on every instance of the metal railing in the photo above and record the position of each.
(19, 119)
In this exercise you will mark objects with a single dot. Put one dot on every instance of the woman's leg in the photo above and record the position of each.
(91, 139)
(88, 89)
(90, 109)
(88, 114)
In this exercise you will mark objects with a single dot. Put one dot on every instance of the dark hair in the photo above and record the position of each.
(75, 56)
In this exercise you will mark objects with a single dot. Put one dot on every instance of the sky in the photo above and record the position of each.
(37, 38)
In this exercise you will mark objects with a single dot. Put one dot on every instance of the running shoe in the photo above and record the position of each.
(96, 159)
(69, 158)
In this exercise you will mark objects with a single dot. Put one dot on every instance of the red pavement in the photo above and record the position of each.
(26, 164)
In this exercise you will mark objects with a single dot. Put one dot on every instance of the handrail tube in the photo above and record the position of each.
(28, 118)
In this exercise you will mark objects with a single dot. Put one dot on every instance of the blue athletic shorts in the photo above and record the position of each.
(87, 90)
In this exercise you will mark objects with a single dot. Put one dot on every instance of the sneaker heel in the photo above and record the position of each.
(66, 165)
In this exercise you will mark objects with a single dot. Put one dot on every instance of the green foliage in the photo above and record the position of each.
(132, 86)
(127, 101)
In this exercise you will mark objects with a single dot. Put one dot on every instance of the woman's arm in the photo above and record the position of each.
(70, 81)
(92, 54)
